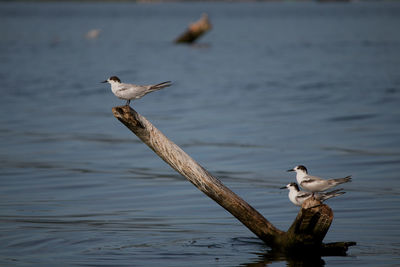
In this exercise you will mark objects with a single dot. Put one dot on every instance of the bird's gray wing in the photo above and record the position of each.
(311, 179)
(315, 178)
(122, 88)
(303, 195)
(308, 181)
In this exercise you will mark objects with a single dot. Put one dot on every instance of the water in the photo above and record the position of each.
(273, 85)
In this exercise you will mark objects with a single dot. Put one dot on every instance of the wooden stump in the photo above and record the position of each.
(305, 234)
(310, 226)
(195, 30)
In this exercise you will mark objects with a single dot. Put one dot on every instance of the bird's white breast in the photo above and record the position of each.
(293, 198)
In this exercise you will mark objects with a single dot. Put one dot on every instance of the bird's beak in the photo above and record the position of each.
(104, 81)
(291, 170)
(283, 187)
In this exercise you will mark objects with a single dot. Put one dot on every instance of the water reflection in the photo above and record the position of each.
(272, 257)
(266, 256)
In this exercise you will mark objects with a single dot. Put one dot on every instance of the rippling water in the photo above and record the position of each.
(272, 85)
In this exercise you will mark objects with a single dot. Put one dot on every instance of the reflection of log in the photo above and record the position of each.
(195, 30)
(306, 232)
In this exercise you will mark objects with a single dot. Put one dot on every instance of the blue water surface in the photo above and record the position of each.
(271, 86)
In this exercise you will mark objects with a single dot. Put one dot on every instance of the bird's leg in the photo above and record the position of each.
(128, 102)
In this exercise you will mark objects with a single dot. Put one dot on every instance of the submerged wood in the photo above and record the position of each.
(195, 30)
(308, 229)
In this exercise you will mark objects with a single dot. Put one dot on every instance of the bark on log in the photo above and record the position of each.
(306, 232)
(310, 226)
(195, 30)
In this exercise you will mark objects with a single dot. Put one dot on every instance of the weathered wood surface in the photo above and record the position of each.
(306, 232)
(195, 30)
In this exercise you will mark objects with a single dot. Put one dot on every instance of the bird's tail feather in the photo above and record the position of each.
(160, 86)
(340, 180)
(331, 194)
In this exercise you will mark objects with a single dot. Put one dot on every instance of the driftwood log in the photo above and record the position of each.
(195, 30)
(307, 231)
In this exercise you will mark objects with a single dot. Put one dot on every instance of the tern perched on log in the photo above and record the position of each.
(129, 91)
(298, 197)
(313, 183)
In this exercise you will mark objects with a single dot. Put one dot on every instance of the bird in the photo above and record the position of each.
(297, 197)
(129, 91)
(315, 184)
